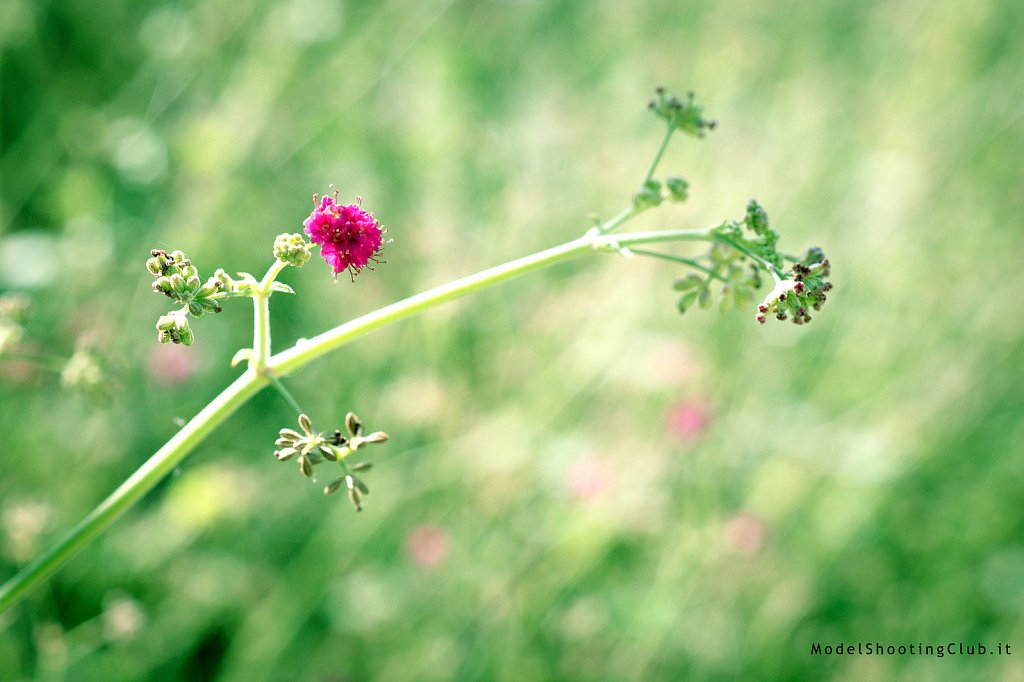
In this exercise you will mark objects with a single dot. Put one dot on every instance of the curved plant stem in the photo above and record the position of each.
(135, 486)
(264, 367)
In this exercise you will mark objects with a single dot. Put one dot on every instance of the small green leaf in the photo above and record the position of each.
(704, 299)
(691, 281)
(686, 300)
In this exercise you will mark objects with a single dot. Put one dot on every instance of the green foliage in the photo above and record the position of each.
(579, 484)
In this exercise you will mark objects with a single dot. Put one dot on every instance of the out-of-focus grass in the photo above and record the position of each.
(580, 483)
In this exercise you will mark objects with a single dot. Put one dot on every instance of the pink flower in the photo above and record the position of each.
(746, 532)
(349, 237)
(688, 420)
(171, 364)
(428, 545)
(590, 479)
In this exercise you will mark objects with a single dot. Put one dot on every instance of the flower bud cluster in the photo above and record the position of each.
(764, 240)
(174, 328)
(313, 448)
(792, 299)
(292, 249)
(741, 251)
(681, 114)
(675, 189)
(178, 279)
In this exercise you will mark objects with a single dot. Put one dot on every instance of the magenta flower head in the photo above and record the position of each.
(349, 237)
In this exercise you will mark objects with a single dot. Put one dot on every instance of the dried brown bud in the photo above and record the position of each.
(352, 423)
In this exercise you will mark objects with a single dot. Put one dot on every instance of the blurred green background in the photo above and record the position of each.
(581, 484)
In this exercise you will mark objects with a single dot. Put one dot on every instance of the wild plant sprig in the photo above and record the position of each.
(350, 239)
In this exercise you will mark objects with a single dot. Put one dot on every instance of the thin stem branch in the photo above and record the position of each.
(657, 156)
(286, 394)
(658, 236)
(743, 249)
(624, 216)
(682, 261)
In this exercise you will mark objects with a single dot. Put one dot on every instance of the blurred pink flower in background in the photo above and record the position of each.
(170, 364)
(428, 545)
(689, 419)
(746, 532)
(589, 479)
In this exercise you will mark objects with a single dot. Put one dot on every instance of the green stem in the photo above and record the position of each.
(260, 374)
(623, 216)
(633, 211)
(261, 319)
(286, 394)
(657, 156)
(682, 261)
(301, 354)
(743, 249)
(131, 491)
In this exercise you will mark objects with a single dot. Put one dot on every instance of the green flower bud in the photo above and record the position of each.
(678, 188)
(649, 195)
(166, 322)
(756, 218)
(177, 284)
(291, 249)
(681, 114)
